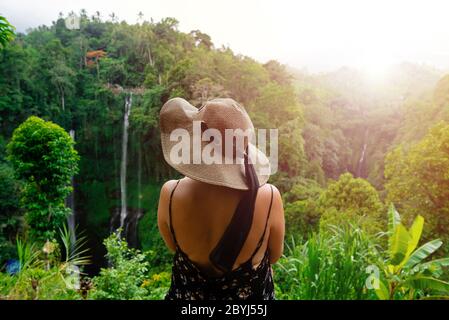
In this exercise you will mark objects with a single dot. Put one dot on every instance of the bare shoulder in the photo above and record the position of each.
(164, 198)
(264, 196)
(265, 192)
(167, 187)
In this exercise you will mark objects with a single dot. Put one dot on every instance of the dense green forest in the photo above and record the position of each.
(348, 149)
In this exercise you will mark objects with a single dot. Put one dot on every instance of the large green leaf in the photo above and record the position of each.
(382, 292)
(399, 244)
(428, 283)
(394, 219)
(434, 264)
(423, 252)
(415, 234)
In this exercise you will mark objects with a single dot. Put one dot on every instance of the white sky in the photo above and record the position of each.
(320, 35)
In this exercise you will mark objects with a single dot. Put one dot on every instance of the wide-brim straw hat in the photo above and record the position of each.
(219, 114)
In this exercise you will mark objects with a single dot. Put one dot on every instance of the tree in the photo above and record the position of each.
(418, 179)
(202, 39)
(83, 13)
(42, 154)
(6, 31)
(17, 85)
(57, 71)
(245, 79)
(10, 214)
(351, 200)
(301, 211)
(113, 17)
(278, 72)
(61, 76)
(291, 148)
(276, 107)
(206, 89)
(441, 93)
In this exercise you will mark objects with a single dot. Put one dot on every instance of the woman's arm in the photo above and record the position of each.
(163, 219)
(277, 227)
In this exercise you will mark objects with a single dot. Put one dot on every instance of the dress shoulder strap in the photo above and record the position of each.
(259, 244)
(172, 230)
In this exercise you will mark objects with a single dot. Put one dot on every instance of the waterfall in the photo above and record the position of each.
(139, 177)
(70, 202)
(123, 211)
(362, 156)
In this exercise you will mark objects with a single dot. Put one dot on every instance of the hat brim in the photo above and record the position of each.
(222, 174)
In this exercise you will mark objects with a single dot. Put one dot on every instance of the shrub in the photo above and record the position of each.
(301, 212)
(45, 273)
(37, 283)
(157, 285)
(351, 200)
(124, 278)
(302, 218)
(42, 154)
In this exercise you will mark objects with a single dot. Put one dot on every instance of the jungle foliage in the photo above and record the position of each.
(347, 151)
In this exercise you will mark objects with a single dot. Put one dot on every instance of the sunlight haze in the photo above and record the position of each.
(316, 35)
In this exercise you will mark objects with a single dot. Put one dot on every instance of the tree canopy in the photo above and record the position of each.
(42, 154)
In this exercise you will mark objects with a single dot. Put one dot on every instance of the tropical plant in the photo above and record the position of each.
(43, 274)
(75, 257)
(328, 266)
(125, 276)
(406, 274)
(27, 254)
(42, 154)
(75, 251)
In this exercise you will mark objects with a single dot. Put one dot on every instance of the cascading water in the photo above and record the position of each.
(124, 217)
(123, 210)
(139, 177)
(362, 156)
(70, 202)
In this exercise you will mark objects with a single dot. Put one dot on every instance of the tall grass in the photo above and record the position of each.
(44, 274)
(27, 253)
(329, 265)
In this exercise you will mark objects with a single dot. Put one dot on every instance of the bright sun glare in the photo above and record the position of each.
(320, 35)
(376, 66)
(376, 71)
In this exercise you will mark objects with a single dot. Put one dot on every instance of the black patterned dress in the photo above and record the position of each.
(246, 282)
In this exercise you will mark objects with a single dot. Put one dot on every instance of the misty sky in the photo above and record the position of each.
(320, 35)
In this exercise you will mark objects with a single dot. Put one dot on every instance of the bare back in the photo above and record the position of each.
(201, 212)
